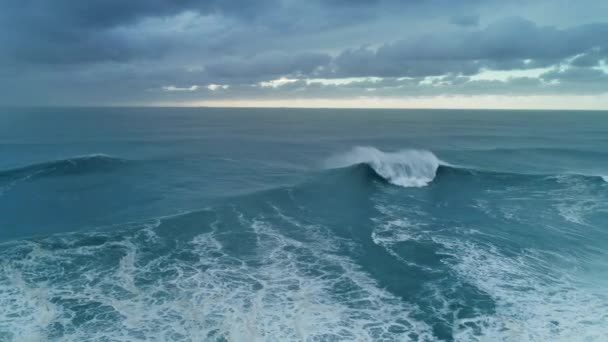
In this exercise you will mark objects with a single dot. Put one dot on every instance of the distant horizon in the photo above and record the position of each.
(212, 106)
(320, 108)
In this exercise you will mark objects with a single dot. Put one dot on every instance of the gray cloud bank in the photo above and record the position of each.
(140, 51)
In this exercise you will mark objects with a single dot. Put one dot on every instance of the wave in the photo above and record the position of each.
(406, 168)
(540, 150)
(418, 168)
(74, 165)
(480, 172)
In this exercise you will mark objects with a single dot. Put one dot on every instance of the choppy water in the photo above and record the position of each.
(304, 225)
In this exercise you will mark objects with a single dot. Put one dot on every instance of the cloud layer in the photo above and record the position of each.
(155, 51)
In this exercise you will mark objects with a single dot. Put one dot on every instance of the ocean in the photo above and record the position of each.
(203, 224)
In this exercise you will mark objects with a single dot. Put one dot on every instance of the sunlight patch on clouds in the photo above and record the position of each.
(279, 82)
(434, 81)
(322, 81)
(174, 88)
(214, 87)
(506, 75)
(558, 102)
(342, 81)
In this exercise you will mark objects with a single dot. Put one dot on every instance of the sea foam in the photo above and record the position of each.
(406, 168)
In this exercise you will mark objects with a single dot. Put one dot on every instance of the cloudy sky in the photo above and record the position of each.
(306, 53)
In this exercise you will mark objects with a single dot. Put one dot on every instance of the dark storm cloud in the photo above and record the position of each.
(99, 14)
(66, 31)
(508, 44)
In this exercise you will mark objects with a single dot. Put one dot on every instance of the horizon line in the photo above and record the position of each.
(308, 108)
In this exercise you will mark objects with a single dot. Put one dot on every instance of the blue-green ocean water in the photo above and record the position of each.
(163, 224)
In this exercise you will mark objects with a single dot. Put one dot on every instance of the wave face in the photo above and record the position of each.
(407, 168)
(65, 167)
(82, 165)
(68, 166)
(418, 168)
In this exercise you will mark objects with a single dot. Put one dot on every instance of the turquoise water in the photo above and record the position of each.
(167, 224)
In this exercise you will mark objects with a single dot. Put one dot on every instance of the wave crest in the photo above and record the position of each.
(406, 168)
(74, 165)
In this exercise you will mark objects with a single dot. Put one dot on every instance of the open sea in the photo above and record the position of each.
(202, 224)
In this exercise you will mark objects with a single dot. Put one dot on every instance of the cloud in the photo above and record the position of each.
(95, 31)
(67, 32)
(276, 83)
(465, 20)
(591, 58)
(265, 66)
(106, 51)
(214, 87)
(581, 76)
(512, 43)
(174, 88)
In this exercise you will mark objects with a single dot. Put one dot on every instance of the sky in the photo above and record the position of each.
(309, 53)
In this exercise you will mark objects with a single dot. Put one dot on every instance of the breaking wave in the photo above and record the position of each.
(407, 168)
(417, 168)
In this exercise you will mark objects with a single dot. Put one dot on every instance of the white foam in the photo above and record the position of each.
(407, 168)
(25, 312)
(297, 299)
(539, 295)
(391, 228)
(576, 200)
(284, 289)
(534, 303)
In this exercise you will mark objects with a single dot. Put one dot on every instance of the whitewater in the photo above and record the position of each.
(199, 225)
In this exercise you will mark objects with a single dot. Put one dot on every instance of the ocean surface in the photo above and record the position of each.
(168, 224)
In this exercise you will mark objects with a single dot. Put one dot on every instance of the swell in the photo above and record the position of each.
(446, 169)
(446, 173)
(418, 168)
(69, 166)
(544, 151)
